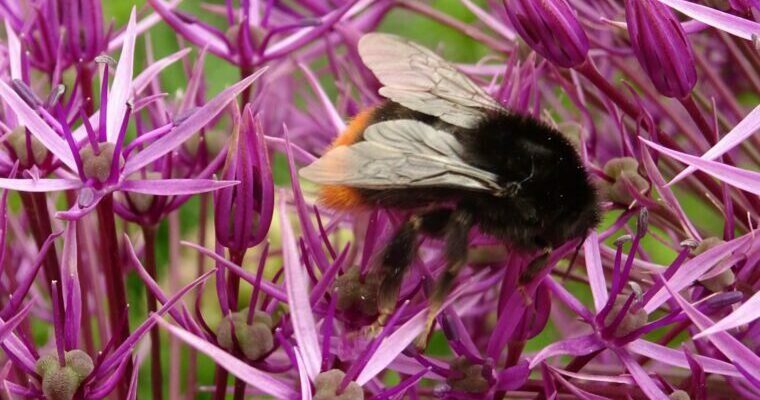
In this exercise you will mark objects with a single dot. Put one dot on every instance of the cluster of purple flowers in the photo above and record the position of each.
(660, 97)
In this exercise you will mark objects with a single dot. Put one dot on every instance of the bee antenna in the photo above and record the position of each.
(572, 260)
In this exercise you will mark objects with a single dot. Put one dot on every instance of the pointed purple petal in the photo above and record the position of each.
(596, 278)
(6, 327)
(734, 350)
(39, 185)
(297, 288)
(732, 24)
(267, 287)
(740, 178)
(303, 375)
(693, 269)
(200, 118)
(37, 126)
(121, 88)
(252, 376)
(143, 26)
(193, 32)
(745, 314)
(677, 358)
(488, 19)
(744, 129)
(332, 113)
(399, 340)
(578, 346)
(14, 51)
(142, 80)
(174, 187)
(644, 381)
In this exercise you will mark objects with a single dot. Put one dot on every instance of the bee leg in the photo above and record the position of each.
(396, 258)
(456, 235)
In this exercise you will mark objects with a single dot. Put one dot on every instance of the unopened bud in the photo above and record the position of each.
(624, 172)
(255, 340)
(353, 294)
(551, 29)
(661, 46)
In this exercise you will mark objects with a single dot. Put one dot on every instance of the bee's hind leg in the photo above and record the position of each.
(395, 260)
(456, 234)
(399, 253)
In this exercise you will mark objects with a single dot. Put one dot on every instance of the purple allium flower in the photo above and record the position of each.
(660, 302)
(661, 46)
(551, 29)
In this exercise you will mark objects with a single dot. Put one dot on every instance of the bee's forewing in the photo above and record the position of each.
(419, 79)
(400, 154)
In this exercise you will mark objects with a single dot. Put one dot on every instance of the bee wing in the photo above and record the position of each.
(400, 154)
(419, 79)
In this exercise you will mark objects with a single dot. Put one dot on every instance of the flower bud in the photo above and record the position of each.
(62, 383)
(243, 212)
(98, 165)
(660, 45)
(255, 340)
(328, 382)
(17, 141)
(625, 175)
(551, 29)
(633, 319)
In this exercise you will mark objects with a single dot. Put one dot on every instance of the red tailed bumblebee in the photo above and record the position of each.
(442, 147)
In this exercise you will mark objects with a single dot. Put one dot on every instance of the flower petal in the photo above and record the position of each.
(193, 32)
(578, 346)
(297, 288)
(14, 51)
(252, 376)
(747, 361)
(142, 26)
(744, 129)
(740, 178)
(303, 374)
(189, 126)
(142, 80)
(37, 126)
(693, 269)
(644, 381)
(745, 314)
(596, 278)
(398, 341)
(121, 88)
(174, 187)
(332, 113)
(267, 287)
(39, 185)
(732, 24)
(677, 358)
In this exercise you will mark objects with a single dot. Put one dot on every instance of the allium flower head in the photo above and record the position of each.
(661, 46)
(551, 28)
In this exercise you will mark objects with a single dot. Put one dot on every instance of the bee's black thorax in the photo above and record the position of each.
(547, 197)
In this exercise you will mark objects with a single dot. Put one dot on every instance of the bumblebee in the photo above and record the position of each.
(442, 148)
